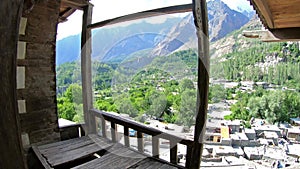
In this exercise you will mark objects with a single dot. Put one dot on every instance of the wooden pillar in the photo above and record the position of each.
(86, 69)
(201, 23)
(126, 136)
(173, 152)
(155, 146)
(140, 141)
(10, 144)
(113, 131)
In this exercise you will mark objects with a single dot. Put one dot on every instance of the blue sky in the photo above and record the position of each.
(102, 11)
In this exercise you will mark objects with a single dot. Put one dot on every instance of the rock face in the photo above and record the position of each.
(235, 40)
(222, 20)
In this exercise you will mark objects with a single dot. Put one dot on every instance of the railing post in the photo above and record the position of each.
(188, 156)
(103, 126)
(140, 140)
(155, 146)
(126, 136)
(173, 152)
(113, 131)
(86, 71)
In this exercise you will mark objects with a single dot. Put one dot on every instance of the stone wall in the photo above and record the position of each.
(36, 84)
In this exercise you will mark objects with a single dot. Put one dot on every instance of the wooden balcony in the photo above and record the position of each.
(94, 151)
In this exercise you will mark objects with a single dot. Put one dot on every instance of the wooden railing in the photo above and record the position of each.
(71, 131)
(141, 130)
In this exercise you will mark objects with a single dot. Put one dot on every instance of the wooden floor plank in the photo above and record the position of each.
(146, 162)
(67, 151)
(102, 142)
(151, 163)
(62, 143)
(54, 151)
(40, 157)
(72, 155)
(167, 166)
(117, 157)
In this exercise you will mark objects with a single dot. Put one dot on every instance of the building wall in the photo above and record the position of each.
(36, 78)
(11, 155)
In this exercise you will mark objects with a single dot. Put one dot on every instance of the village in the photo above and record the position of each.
(227, 143)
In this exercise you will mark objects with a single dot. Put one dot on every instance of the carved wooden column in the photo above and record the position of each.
(201, 23)
(86, 69)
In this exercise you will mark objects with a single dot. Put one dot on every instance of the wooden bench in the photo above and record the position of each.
(70, 154)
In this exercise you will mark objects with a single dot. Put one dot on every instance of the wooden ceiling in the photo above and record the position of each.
(280, 17)
(68, 7)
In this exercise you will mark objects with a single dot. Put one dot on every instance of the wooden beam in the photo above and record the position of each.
(10, 134)
(263, 9)
(86, 72)
(77, 4)
(274, 35)
(287, 34)
(201, 24)
(63, 16)
(144, 14)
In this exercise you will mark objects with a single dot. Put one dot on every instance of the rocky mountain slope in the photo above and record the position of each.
(117, 43)
(222, 20)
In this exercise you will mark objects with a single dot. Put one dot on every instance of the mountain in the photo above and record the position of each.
(237, 58)
(235, 40)
(242, 6)
(68, 49)
(222, 20)
(110, 43)
(115, 44)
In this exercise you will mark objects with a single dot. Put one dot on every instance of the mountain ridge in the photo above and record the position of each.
(115, 44)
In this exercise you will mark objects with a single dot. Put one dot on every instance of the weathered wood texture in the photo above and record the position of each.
(144, 14)
(64, 152)
(72, 131)
(282, 18)
(10, 144)
(40, 120)
(139, 127)
(201, 23)
(86, 69)
(277, 14)
(113, 155)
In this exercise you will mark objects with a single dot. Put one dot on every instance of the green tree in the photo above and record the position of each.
(216, 93)
(187, 112)
(70, 104)
(186, 84)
